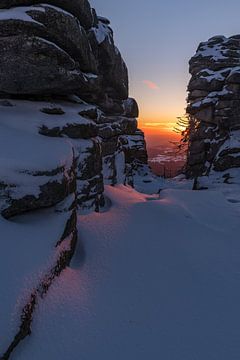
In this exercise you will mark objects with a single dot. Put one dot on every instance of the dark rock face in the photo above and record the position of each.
(214, 107)
(31, 65)
(60, 66)
(60, 28)
(65, 49)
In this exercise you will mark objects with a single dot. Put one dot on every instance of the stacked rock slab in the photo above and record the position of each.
(61, 53)
(214, 108)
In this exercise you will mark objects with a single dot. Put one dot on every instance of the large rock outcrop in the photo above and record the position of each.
(60, 57)
(214, 108)
(67, 127)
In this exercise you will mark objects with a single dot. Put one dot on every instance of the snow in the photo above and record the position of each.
(153, 276)
(24, 110)
(233, 142)
(107, 170)
(23, 151)
(206, 101)
(91, 76)
(40, 153)
(159, 280)
(20, 13)
(59, 10)
(223, 92)
(27, 247)
(212, 97)
(102, 32)
(216, 52)
(120, 167)
(29, 152)
(134, 140)
(235, 70)
(213, 74)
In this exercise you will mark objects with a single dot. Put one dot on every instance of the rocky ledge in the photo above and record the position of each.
(214, 109)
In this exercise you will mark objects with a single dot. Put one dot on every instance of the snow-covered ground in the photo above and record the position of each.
(159, 279)
(27, 251)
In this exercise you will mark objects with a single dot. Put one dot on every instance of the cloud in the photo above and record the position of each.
(153, 124)
(166, 125)
(151, 85)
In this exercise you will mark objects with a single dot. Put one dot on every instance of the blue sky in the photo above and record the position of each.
(157, 39)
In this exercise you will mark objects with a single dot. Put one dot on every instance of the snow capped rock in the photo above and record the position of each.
(81, 9)
(214, 100)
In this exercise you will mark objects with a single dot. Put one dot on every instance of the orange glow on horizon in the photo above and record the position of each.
(163, 128)
(157, 131)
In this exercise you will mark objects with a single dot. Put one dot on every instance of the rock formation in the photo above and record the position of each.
(61, 53)
(214, 109)
(67, 127)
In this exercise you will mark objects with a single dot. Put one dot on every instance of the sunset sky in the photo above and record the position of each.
(157, 39)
